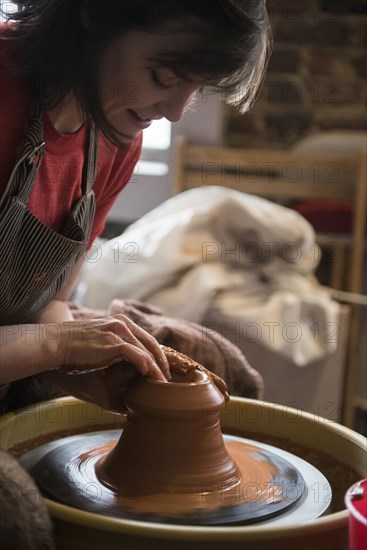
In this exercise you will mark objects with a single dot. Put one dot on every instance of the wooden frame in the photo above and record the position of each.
(282, 175)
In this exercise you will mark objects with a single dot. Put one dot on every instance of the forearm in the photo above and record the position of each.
(27, 349)
(56, 311)
(24, 350)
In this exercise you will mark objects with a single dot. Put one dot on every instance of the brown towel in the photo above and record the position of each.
(205, 346)
(24, 519)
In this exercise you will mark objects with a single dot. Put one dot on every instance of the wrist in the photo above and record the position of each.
(53, 344)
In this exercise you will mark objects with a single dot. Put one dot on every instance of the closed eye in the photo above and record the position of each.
(157, 82)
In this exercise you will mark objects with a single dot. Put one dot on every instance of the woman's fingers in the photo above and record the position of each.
(142, 360)
(145, 341)
(151, 361)
(99, 343)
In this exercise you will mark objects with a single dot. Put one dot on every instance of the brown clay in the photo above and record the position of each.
(172, 439)
(171, 457)
(182, 364)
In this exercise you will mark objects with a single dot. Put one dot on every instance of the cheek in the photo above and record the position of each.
(117, 86)
(123, 90)
(125, 94)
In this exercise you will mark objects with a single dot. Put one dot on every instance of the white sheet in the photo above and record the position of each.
(215, 247)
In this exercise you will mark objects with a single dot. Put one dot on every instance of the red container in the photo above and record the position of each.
(356, 502)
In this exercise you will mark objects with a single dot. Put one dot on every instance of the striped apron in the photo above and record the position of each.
(36, 261)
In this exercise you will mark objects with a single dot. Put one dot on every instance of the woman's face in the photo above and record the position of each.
(134, 92)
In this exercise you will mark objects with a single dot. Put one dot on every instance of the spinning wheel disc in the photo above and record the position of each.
(65, 471)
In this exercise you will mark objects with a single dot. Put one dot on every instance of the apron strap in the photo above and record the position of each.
(91, 160)
(25, 169)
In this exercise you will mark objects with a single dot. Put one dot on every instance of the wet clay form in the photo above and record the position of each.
(171, 463)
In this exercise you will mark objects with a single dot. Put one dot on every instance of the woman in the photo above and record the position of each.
(80, 81)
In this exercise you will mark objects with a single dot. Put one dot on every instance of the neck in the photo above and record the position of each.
(67, 117)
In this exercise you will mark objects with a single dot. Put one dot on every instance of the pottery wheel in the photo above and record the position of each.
(65, 472)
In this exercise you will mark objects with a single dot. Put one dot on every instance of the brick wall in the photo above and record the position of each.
(316, 79)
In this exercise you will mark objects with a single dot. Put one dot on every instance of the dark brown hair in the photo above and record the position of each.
(57, 54)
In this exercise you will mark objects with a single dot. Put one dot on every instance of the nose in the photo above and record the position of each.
(173, 106)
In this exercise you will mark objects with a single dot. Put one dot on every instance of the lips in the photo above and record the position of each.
(141, 117)
(140, 121)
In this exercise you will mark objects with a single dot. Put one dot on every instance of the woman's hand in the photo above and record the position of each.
(78, 347)
(104, 356)
(104, 387)
(84, 346)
